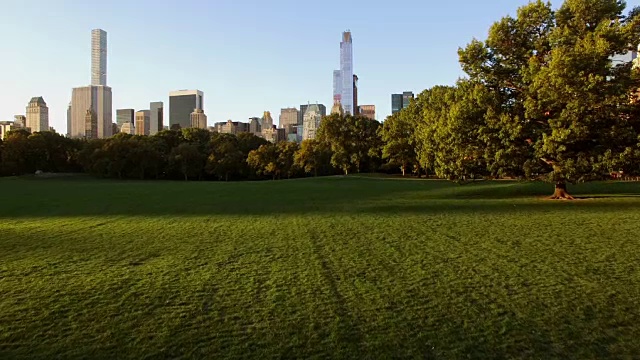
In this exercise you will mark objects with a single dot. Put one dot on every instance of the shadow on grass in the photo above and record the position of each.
(324, 196)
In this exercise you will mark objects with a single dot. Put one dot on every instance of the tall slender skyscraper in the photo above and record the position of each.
(96, 97)
(346, 72)
(98, 57)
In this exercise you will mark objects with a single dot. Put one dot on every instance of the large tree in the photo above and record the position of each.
(188, 160)
(225, 157)
(398, 136)
(561, 106)
(15, 153)
(354, 141)
(286, 151)
(264, 161)
(313, 157)
(449, 134)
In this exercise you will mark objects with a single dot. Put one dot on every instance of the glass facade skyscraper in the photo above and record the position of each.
(181, 104)
(337, 86)
(406, 98)
(98, 57)
(156, 117)
(396, 103)
(124, 116)
(400, 101)
(346, 72)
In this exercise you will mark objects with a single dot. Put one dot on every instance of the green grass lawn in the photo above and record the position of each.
(316, 268)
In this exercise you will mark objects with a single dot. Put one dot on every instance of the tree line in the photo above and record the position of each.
(543, 98)
(197, 154)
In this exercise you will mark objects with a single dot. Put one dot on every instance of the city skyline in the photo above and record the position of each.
(238, 83)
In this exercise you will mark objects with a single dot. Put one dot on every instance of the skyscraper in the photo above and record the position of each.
(406, 98)
(124, 116)
(20, 121)
(157, 117)
(98, 57)
(267, 120)
(400, 101)
(96, 98)
(69, 120)
(337, 86)
(396, 103)
(255, 125)
(289, 120)
(37, 115)
(181, 105)
(143, 119)
(346, 72)
(311, 122)
(198, 119)
(368, 111)
(90, 125)
(303, 110)
(356, 110)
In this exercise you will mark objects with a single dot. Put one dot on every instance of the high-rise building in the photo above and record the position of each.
(355, 95)
(19, 121)
(5, 127)
(181, 105)
(37, 115)
(98, 57)
(303, 110)
(198, 119)
(346, 72)
(97, 98)
(396, 103)
(337, 86)
(267, 120)
(406, 98)
(288, 120)
(311, 123)
(143, 122)
(274, 135)
(114, 128)
(124, 116)
(400, 101)
(232, 127)
(157, 117)
(128, 128)
(69, 120)
(367, 111)
(337, 109)
(90, 125)
(255, 125)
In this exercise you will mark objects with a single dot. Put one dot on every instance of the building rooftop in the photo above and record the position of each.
(38, 100)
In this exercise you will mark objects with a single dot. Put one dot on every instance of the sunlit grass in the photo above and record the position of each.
(333, 267)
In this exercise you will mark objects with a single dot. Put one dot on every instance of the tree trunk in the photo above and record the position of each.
(186, 178)
(226, 177)
(561, 192)
(403, 170)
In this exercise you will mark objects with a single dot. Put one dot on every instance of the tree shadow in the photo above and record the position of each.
(323, 196)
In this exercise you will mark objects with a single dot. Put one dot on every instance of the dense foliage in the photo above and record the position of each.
(195, 154)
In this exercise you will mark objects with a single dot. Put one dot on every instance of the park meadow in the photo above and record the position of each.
(335, 267)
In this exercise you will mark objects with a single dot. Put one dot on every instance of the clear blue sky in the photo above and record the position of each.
(247, 56)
